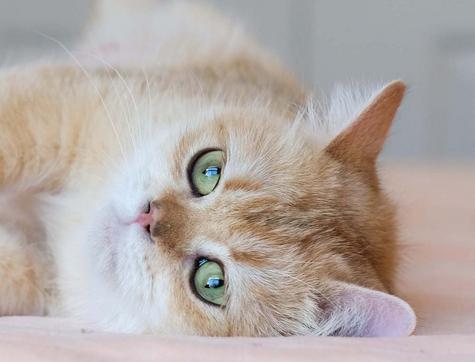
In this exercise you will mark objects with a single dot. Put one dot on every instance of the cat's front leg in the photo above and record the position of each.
(22, 276)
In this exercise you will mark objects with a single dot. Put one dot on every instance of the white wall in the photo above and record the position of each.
(429, 43)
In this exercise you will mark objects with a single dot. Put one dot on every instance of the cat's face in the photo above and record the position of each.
(242, 224)
(225, 198)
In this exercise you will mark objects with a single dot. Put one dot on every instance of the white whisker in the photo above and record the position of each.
(94, 85)
(131, 95)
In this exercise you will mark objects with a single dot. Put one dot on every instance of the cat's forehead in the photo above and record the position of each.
(259, 146)
(267, 188)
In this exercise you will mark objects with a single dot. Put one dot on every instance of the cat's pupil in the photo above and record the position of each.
(214, 282)
(212, 171)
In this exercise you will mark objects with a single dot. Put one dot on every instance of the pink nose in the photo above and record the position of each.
(145, 219)
(148, 218)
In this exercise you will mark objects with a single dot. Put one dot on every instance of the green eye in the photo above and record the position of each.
(209, 281)
(206, 172)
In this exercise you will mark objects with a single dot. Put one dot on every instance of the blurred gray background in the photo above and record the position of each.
(428, 43)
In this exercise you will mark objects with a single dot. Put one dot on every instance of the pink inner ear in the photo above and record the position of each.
(381, 314)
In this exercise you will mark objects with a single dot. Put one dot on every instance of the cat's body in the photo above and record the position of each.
(297, 221)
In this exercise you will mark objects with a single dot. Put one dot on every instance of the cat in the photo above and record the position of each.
(171, 177)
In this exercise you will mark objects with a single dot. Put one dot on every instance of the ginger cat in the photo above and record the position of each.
(171, 177)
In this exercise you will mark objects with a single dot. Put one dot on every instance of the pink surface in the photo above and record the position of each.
(437, 217)
(30, 339)
(437, 213)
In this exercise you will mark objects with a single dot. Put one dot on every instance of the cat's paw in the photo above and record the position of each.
(21, 292)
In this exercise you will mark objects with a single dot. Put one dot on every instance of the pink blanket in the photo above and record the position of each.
(437, 213)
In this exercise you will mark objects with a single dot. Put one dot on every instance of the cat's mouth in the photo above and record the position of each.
(119, 237)
(112, 231)
(117, 227)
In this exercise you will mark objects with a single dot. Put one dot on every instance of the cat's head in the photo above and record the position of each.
(238, 222)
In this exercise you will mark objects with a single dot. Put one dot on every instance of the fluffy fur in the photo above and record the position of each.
(299, 222)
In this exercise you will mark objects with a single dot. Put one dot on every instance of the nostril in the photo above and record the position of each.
(147, 208)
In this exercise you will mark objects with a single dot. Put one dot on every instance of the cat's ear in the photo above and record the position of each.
(361, 312)
(361, 142)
